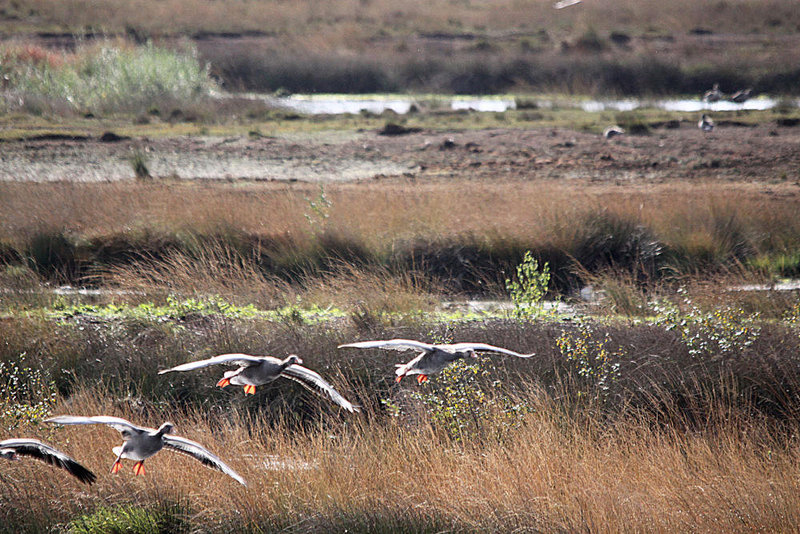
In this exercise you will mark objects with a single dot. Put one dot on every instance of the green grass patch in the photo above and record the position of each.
(132, 519)
(105, 78)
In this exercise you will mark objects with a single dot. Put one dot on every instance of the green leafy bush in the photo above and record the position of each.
(596, 366)
(725, 331)
(530, 287)
(26, 395)
(108, 78)
(465, 407)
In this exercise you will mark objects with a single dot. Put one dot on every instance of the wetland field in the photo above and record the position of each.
(161, 201)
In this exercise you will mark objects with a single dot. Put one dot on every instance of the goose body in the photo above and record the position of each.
(705, 124)
(10, 449)
(613, 131)
(141, 443)
(432, 359)
(259, 370)
(742, 96)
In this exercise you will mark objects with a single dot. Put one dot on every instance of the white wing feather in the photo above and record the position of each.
(198, 452)
(483, 347)
(239, 359)
(308, 378)
(117, 423)
(391, 344)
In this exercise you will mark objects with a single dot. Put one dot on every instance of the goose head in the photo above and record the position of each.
(166, 428)
(293, 359)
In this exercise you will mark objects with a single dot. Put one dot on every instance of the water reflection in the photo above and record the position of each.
(337, 104)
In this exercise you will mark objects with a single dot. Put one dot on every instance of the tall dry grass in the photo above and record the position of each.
(480, 47)
(259, 232)
(551, 474)
(321, 20)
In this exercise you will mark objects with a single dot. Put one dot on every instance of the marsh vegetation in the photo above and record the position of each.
(145, 222)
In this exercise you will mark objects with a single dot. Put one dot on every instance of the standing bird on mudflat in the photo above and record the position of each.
(10, 449)
(432, 358)
(705, 123)
(259, 370)
(613, 131)
(141, 443)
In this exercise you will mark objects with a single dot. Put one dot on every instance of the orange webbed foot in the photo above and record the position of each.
(224, 382)
(138, 468)
(422, 378)
(116, 467)
(250, 390)
(399, 378)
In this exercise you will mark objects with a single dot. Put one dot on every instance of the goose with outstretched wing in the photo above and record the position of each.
(141, 443)
(432, 358)
(10, 449)
(259, 370)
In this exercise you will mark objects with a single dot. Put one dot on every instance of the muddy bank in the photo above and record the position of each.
(674, 151)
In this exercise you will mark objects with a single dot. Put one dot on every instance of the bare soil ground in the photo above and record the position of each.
(764, 152)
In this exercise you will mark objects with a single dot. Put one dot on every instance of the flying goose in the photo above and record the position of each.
(714, 95)
(141, 443)
(433, 358)
(259, 370)
(11, 448)
(705, 124)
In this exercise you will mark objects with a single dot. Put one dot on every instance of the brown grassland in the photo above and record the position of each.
(145, 221)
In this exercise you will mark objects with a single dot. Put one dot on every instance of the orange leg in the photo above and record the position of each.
(116, 467)
(250, 390)
(422, 378)
(224, 382)
(138, 468)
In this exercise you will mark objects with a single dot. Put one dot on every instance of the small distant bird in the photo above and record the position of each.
(259, 370)
(612, 131)
(742, 96)
(565, 3)
(705, 124)
(714, 95)
(11, 448)
(433, 358)
(141, 443)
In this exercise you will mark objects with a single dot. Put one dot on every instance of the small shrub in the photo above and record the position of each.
(319, 210)
(530, 287)
(590, 41)
(597, 368)
(461, 405)
(722, 332)
(26, 395)
(139, 164)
